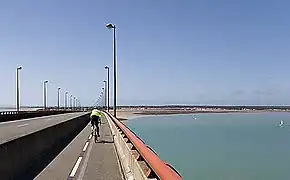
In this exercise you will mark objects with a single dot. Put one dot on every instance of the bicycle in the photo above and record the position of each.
(94, 133)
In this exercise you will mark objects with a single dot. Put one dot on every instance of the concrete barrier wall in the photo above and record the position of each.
(26, 156)
(130, 165)
(138, 160)
(7, 116)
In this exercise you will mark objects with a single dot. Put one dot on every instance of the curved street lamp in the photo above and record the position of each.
(58, 89)
(17, 88)
(45, 93)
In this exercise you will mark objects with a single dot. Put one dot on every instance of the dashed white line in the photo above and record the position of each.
(85, 163)
(57, 157)
(86, 145)
(22, 125)
(73, 172)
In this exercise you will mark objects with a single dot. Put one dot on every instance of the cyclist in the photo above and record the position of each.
(96, 120)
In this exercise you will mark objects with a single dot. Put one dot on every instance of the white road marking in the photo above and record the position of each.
(57, 157)
(85, 163)
(86, 145)
(90, 136)
(22, 125)
(73, 172)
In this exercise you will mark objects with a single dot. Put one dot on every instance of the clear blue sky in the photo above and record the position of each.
(181, 52)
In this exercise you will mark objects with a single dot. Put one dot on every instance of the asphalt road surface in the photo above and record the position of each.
(85, 159)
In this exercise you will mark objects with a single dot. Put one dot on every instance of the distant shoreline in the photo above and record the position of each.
(125, 114)
(199, 112)
(183, 112)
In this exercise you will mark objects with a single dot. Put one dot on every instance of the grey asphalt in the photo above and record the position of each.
(99, 159)
(63, 163)
(103, 163)
(14, 129)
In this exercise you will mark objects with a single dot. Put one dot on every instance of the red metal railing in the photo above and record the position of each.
(161, 169)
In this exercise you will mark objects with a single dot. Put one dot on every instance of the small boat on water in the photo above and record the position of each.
(281, 123)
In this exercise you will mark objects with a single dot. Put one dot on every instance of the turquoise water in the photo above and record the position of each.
(220, 146)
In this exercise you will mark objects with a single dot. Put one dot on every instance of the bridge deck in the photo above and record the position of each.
(85, 159)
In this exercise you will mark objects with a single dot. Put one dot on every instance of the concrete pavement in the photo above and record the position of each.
(86, 159)
(14, 129)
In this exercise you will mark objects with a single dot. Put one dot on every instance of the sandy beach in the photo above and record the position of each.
(124, 114)
(131, 113)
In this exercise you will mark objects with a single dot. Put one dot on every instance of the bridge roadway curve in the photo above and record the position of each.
(15, 129)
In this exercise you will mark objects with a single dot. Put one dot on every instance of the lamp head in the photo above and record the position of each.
(110, 26)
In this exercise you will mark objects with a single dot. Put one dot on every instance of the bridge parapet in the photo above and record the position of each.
(14, 115)
(138, 160)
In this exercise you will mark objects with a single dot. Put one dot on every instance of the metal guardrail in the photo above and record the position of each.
(14, 115)
(22, 112)
(12, 112)
(161, 169)
(37, 111)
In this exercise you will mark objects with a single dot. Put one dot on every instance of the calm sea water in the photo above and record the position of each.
(220, 146)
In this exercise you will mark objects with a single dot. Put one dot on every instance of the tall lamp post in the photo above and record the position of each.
(65, 100)
(104, 97)
(100, 101)
(105, 93)
(74, 103)
(71, 101)
(58, 89)
(17, 88)
(108, 88)
(44, 93)
(111, 26)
